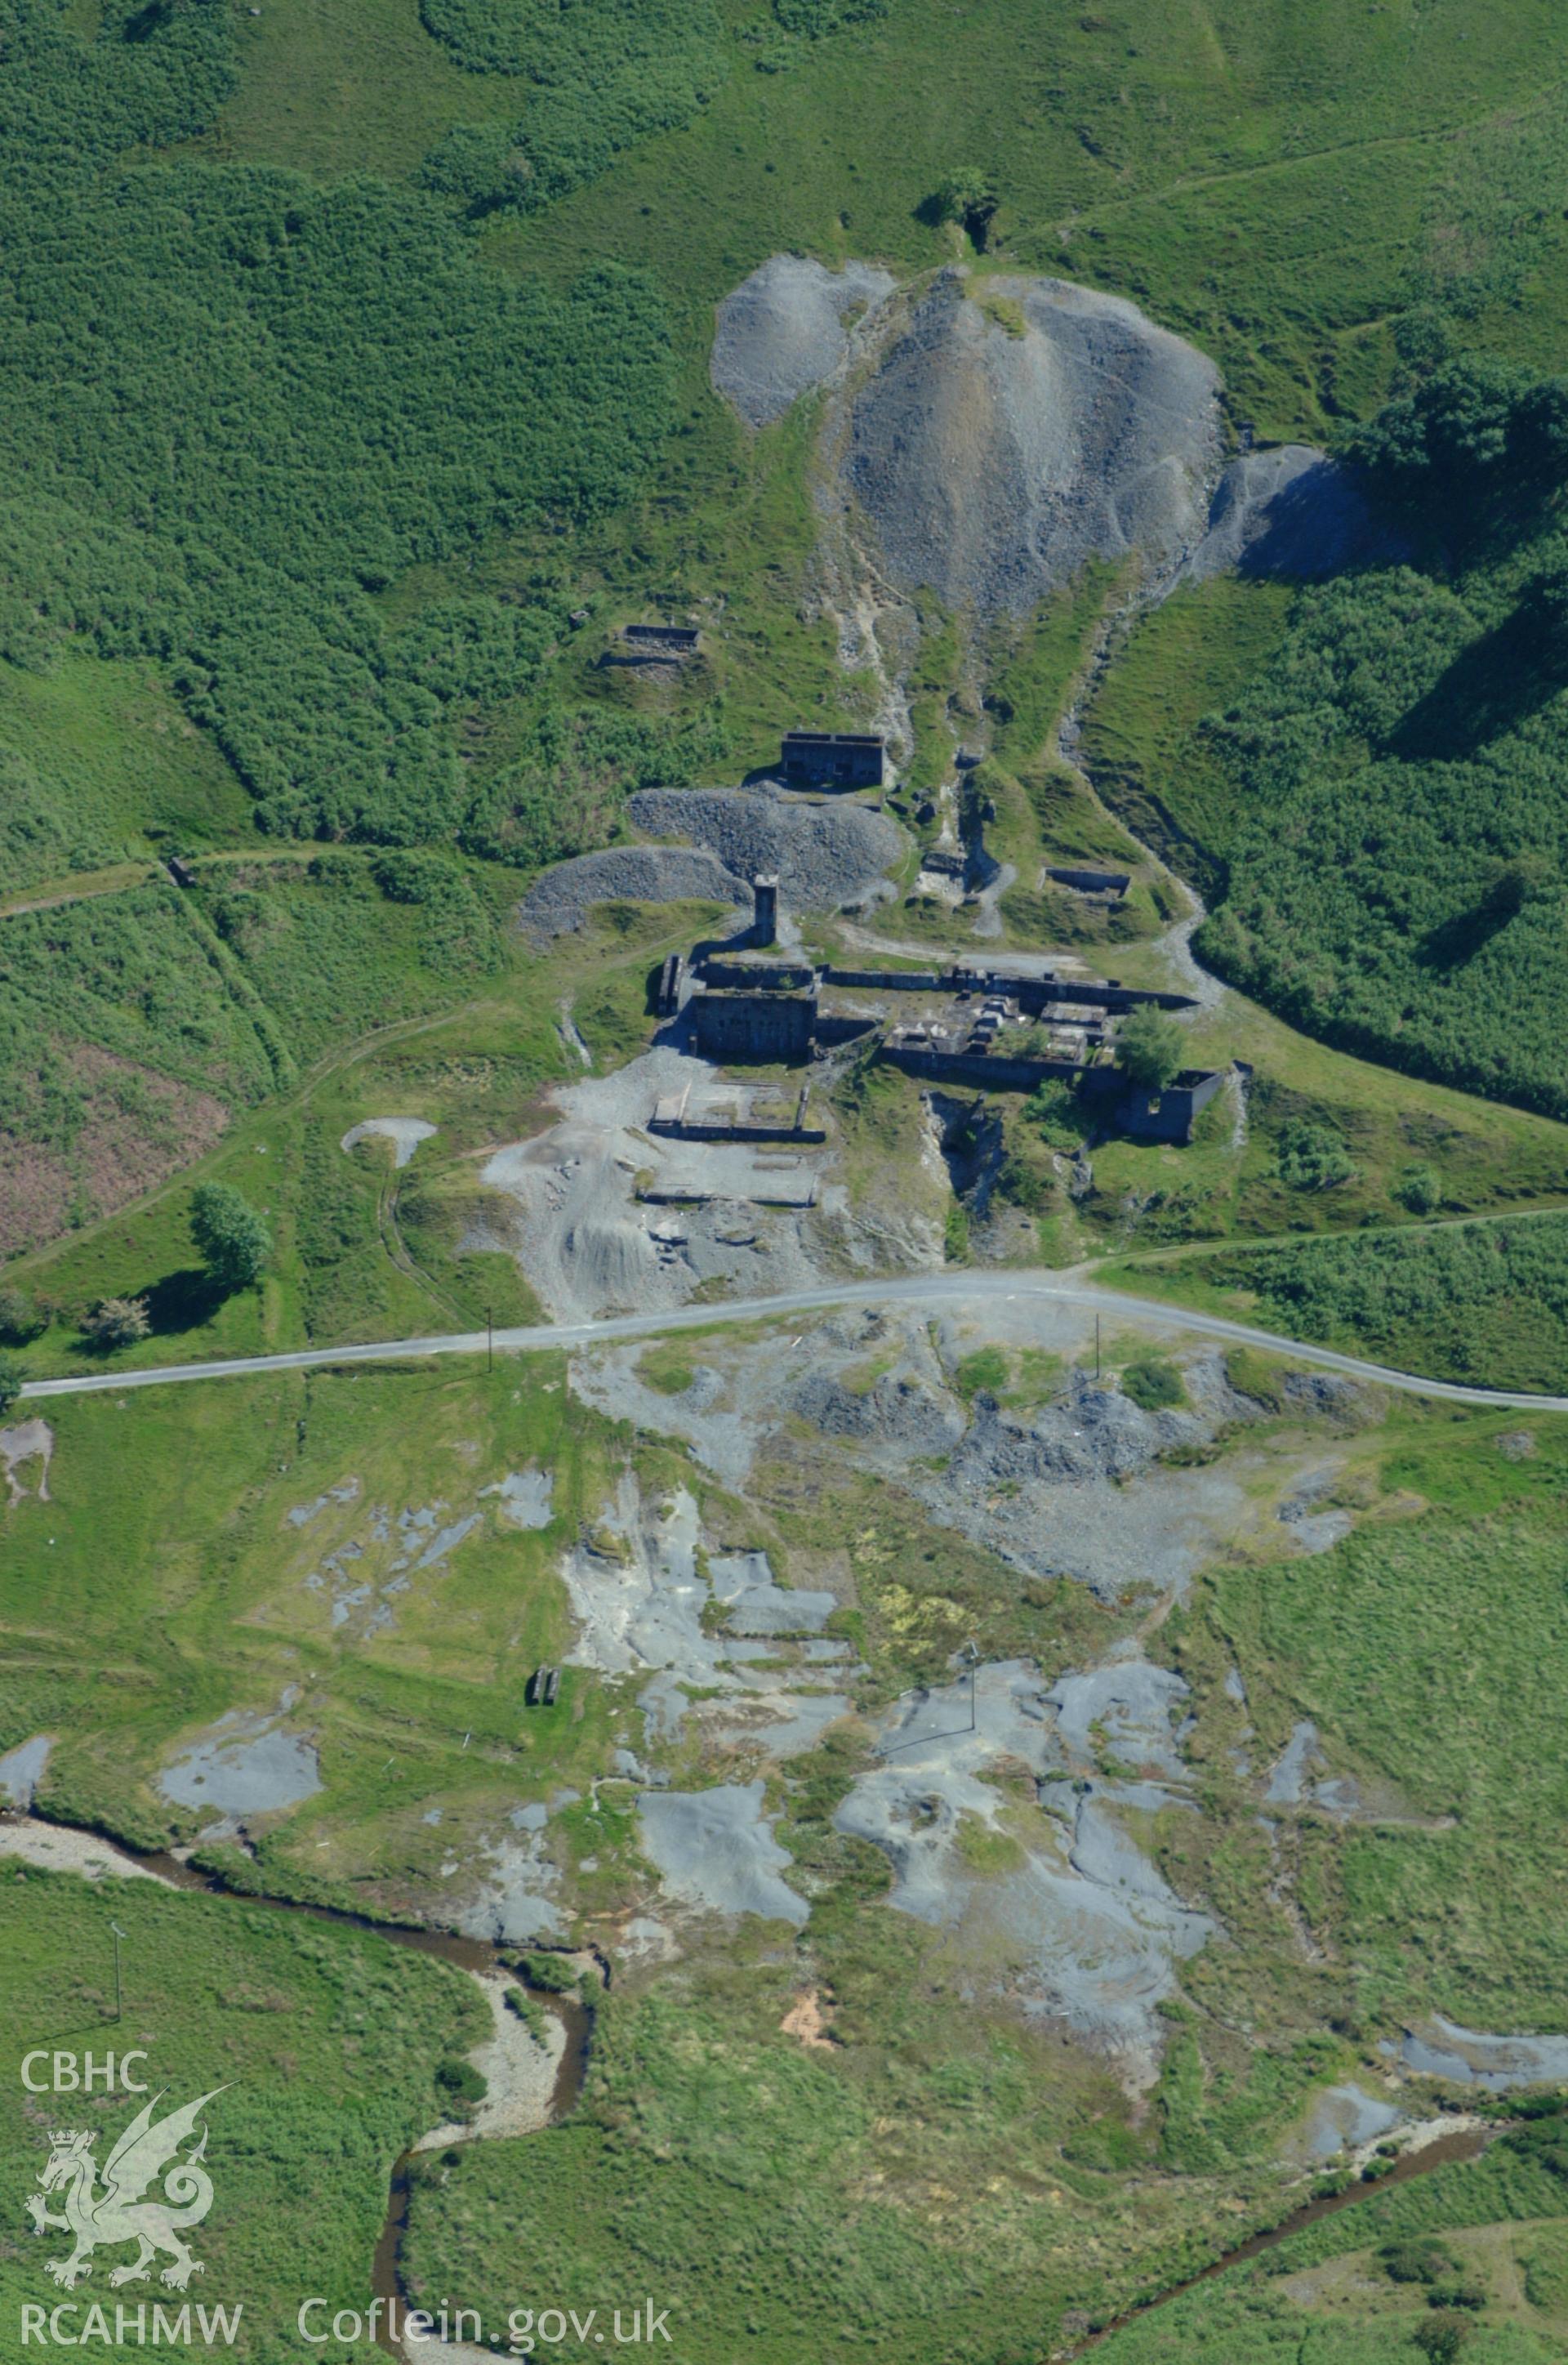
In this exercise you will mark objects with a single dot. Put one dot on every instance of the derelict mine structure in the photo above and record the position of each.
(1006, 1029)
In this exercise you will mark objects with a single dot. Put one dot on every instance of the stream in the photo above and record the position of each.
(1468, 2143)
(479, 1958)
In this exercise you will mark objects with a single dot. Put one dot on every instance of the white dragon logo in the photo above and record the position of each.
(119, 2213)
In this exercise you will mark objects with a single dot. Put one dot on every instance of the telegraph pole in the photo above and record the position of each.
(118, 1935)
(1096, 1346)
(490, 1337)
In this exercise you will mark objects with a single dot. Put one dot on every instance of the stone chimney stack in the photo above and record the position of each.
(765, 908)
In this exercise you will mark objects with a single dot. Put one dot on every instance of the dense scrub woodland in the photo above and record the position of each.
(235, 407)
(1484, 1302)
(1378, 813)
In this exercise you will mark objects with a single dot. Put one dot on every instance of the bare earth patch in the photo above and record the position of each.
(807, 2020)
(27, 1441)
(135, 1129)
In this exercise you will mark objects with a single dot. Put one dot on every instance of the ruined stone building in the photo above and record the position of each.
(838, 760)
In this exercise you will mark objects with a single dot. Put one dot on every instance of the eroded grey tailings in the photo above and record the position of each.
(786, 329)
(1000, 442)
(1085, 1916)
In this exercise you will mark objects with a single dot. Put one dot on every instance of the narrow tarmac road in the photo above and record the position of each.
(959, 1289)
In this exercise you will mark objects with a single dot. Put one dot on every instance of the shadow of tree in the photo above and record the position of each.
(1491, 688)
(183, 1300)
(1455, 941)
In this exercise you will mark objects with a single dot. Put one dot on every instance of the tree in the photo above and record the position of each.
(1543, 595)
(21, 1317)
(1442, 2338)
(10, 1383)
(1150, 1048)
(230, 1236)
(1526, 879)
(969, 196)
(1420, 1190)
(116, 1322)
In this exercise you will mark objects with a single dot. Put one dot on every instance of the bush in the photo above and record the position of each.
(1153, 1385)
(551, 1973)
(1420, 1190)
(1442, 2338)
(21, 1317)
(1312, 1158)
(968, 197)
(461, 2083)
(10, 1383)
(1055, 1109)
(1414, 2259)
(817, 18)
(116, 1322)
(231, 1235)
(1465, 2293)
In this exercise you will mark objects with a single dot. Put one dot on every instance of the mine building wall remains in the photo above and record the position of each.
(888, 980)
(853, 760)
(986, 1068)
(677, 640)
(753, 1025)
(1153, 1116)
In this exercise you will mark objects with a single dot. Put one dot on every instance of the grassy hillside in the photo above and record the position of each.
(1374, 803)
(142, 1022)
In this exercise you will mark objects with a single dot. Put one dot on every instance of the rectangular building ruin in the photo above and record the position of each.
(840, 760)
(670, 640)
(758, 1025)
